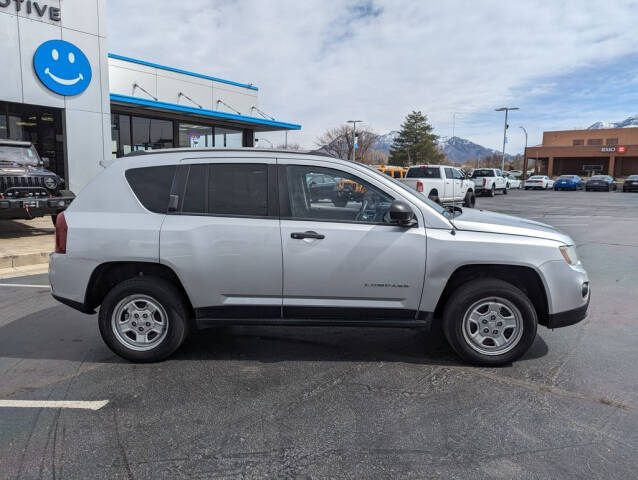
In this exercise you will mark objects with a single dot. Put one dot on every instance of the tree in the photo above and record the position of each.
(338, 142)
(415, 143)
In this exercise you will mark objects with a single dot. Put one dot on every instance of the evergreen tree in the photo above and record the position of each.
(415, 144)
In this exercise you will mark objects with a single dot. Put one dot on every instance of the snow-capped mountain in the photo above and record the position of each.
(626, 123)
(461, 150)
(457, 149)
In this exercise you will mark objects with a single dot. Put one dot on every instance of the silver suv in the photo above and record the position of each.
(190, 239)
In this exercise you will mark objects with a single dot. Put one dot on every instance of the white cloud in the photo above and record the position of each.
(321, 62)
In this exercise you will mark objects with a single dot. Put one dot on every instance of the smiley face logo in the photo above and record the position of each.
(62, 67)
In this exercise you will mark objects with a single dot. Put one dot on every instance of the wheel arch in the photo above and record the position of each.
(523, 277)
(106, 275)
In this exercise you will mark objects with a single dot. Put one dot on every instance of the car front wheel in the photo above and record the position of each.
(143, 319)
(489, 322)
(470, 200)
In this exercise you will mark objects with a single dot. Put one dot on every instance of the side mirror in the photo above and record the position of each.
(402, 214)
(45, 162)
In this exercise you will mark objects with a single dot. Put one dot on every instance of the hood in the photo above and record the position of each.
(492, 222)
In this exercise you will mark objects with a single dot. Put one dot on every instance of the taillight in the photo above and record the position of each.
(419, 187)
(484, 181)
(61, 230)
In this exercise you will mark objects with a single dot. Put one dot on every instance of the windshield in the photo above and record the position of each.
(632, 177)
(18, 155)
(536, 178)
(484, 172)
(566, 177)
(424, 172)
(435, 206)
(600, 177)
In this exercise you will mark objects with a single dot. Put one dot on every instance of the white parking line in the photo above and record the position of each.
(53, 404)
(22, 285)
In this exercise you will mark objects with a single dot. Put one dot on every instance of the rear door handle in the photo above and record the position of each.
(309, 234)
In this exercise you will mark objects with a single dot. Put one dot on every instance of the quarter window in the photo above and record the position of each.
(152, 186)
(342, 197)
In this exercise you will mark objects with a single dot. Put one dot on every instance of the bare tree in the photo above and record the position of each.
(338, 142)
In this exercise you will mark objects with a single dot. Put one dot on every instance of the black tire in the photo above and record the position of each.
(491, 191)
(54, 219)
(163, 293)
(526, 188)
(470, 199)
(469, 294)
(339, 201)
(505, 191)
(434, 196)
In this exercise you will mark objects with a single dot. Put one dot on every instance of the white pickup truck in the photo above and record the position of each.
(442, 184)
(488, 181)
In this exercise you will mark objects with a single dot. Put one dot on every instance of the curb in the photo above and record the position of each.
(13, 261)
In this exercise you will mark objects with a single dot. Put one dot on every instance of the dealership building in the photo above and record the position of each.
(612, 151)
(82, 106)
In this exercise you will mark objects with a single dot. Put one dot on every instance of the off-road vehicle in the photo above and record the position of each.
(27, 188)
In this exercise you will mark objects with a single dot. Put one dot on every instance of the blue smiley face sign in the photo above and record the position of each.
(62, 67)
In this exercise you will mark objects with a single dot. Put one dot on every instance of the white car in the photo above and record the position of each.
(512, 181)
(441, 183)
(539, 182)
(487, 181)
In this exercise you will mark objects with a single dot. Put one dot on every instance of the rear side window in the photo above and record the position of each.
(152, 186)
(238, 189)
(424, 172)
(226, 189)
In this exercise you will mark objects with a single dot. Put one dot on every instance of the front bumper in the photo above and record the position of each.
(570, 317)
(30, 207)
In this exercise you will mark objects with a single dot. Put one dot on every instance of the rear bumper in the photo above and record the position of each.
(24, 208)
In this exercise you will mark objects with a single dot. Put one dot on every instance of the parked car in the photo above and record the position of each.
(195, 238)
(601, 183)
(539, 182)
(442, 184)
(512, 181)
(487, 181)
(514, 173)
(569, 182)
(27, 188)
(394, 172)
(631, 184)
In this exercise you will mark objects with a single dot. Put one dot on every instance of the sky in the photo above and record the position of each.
(319, 63)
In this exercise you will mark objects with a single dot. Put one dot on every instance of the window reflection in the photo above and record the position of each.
(228, 137)
(195, 136)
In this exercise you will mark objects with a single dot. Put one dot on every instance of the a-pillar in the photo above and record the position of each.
(612, 165)
(550, 167)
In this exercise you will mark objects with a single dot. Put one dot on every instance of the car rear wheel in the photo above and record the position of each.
(492, 191)
(489, 322)
(143, 319)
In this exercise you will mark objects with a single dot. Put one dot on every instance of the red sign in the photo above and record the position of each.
(621, 149)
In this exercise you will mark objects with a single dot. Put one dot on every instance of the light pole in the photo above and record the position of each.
(454, 114)
(525, 155)
(354, 136)
(506, 110)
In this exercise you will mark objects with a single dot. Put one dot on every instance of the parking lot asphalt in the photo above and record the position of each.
(281, 402)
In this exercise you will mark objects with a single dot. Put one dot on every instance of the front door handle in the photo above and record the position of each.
(309, 234)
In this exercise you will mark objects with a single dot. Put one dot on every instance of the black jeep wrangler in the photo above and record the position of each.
(27, 188)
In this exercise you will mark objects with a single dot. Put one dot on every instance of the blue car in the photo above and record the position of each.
(569, 182)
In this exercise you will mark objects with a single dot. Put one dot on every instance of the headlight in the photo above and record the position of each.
(569, 254)
(50, 183)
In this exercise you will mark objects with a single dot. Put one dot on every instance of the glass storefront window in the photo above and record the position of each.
(151, 133)
(195, 136)
(40, 125)
(228, 137)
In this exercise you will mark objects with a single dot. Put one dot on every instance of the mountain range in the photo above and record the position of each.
(626, 123)
(457, 149)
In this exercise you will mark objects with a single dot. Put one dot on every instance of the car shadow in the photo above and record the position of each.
(15, 229)
(59, 333)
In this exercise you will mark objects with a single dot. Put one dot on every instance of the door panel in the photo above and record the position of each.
(230, 264)
(357, 263)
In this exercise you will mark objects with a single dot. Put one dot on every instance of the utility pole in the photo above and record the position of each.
(506, 110)
(354, 136)
(525, 156)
